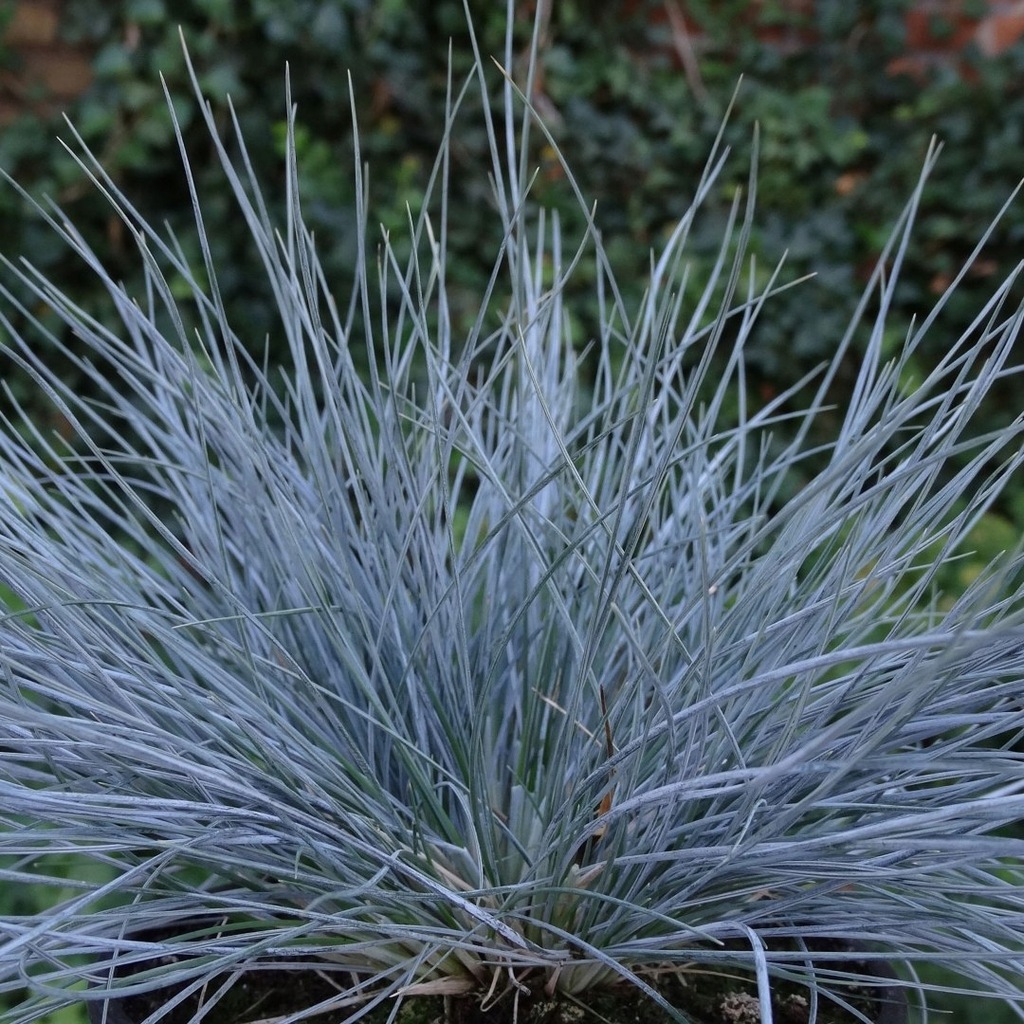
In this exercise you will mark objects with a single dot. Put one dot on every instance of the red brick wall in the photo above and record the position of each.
(50, 72)
(937, 30)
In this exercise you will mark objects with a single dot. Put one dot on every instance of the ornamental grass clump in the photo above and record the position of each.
(521, 665)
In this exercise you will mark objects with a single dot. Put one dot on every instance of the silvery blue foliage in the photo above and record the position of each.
(514, 662)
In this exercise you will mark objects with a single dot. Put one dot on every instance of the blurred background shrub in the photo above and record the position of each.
(847, 97)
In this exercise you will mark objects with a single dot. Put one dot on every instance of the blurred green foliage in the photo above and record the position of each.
(841, 145)
(634, 97)
(842, 140)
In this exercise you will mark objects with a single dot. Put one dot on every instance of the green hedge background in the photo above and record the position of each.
(843, 136)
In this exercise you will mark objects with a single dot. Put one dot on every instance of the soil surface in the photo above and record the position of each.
(704, 997)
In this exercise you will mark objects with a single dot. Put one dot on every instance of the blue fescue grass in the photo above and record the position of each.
(505, 665)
